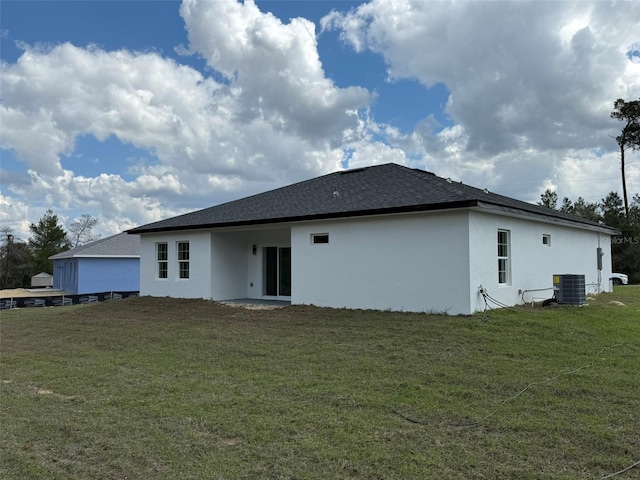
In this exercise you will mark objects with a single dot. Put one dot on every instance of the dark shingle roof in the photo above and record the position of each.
(120, 245)
(381, 189)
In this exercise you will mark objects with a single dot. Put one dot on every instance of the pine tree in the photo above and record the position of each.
(549, 199)
(48, 238)
(629, 113)
(612, 210)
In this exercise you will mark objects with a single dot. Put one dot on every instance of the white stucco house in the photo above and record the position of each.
(381, 237)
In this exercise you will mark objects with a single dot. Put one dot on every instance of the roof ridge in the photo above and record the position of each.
(122, 241)
(96, 242)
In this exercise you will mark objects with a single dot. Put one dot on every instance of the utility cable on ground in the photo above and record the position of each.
(520, 392)
(622, 471)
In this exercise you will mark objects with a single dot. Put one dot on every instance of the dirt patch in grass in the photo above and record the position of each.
(29, 292)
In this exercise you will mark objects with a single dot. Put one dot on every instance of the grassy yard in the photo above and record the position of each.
(171, 389)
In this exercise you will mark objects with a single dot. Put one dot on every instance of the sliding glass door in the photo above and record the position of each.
(277, 271)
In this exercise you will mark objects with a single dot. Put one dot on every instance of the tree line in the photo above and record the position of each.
(611, 210)
(20, 260)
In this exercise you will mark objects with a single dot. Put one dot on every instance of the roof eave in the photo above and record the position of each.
(387, 211)
(551, 218)
(321, 216)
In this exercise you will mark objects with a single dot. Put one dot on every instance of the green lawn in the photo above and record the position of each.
(151, 388)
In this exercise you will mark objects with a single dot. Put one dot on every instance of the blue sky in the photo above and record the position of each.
(136, 111)
(156, 26)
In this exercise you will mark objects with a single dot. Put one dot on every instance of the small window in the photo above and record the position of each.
(546, 240)
(183, 259)
(504, 267)
(162, 257)
(319, 238)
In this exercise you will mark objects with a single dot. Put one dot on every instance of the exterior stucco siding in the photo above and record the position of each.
(414, 262)
(198, 285)
(229, 254)
(532, 263)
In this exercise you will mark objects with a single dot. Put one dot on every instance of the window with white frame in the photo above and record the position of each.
(504, 267)
(183, 259)
(546, 240)
(162, 257)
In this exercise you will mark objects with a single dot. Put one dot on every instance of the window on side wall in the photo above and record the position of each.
(162, 259)
(546, 240)
(318, 238)
(504, 264)
(183, 259)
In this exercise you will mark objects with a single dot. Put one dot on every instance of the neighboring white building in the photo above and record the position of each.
(382, 237)
(42, 279)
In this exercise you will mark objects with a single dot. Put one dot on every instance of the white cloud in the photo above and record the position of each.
(14, 214)
(542, 73)
(276, 118)
(274, 68)
(531, 84)
(52, 96)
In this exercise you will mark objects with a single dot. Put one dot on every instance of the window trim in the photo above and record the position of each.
(183, 264)
(504, 261)
(162, 262)
(319, 238)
